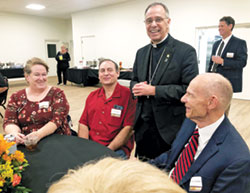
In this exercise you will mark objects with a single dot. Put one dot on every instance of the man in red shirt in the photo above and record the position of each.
(109, 112)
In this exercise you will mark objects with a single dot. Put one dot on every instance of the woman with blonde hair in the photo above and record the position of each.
(38, 110)
(111, 175)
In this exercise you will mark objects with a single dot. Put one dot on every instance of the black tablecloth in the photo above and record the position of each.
(55, 155)
(12, 72)
(89, 77)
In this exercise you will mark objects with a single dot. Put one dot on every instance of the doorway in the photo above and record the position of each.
(88, 49)
(52, 47)
(205, 37)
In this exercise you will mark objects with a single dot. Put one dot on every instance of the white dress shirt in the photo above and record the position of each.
(205, 134)
(226, 40)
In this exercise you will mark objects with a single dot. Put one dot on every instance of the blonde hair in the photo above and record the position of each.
(111, 175)
(34, 61)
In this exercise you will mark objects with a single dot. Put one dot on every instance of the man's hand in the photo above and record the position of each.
(217, 59)
(143, 89)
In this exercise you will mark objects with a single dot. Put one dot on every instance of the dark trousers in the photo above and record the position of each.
(149, 143)
(59, 75)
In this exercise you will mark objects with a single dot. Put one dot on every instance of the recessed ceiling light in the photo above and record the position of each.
(35, 6)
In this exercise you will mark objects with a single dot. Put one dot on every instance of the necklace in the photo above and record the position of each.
(151, 77)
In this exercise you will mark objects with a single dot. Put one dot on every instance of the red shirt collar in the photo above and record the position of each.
(116, 93)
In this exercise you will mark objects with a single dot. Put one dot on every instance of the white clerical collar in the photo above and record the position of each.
(155, 45)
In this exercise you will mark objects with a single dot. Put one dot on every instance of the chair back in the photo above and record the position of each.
(3, 95)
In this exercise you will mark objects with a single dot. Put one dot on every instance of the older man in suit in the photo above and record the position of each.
(219, 159)
(161, 74)
(229, 55)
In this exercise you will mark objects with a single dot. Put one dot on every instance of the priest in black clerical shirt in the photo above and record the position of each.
(161, 74)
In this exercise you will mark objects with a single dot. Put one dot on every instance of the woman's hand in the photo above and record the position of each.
(19, 137)
(34, 134)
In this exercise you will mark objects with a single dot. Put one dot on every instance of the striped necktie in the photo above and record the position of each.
(186, 158)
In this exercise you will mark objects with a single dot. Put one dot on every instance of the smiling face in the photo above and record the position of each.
(37, 79)
(157, 23)
(108, 74)
(196, 101)
(224, 29)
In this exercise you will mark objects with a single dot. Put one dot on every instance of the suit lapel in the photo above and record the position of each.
(185, 134)
(211, 148)
(144, 64)
(207, 153)
(167, 56)
(227, 46)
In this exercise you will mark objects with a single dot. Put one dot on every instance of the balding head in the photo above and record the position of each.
(207, 97)
(216, 84)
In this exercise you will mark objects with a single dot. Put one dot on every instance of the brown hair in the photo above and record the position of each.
(109, 60)
(229, 20)
(34, 61)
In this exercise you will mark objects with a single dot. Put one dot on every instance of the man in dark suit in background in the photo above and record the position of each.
(233, 55)
(161, 74)
(222, 160)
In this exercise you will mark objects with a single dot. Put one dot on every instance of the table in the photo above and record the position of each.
(89, 77)
(12, 72)
(56, 154)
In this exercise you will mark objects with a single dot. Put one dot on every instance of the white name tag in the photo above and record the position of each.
(230, 54)
(195, 184)
(44, 105)
(116, 113)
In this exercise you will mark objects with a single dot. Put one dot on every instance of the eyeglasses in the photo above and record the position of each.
(157, 20)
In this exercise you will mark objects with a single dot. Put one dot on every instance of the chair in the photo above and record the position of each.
(69, 120)
(3, 95)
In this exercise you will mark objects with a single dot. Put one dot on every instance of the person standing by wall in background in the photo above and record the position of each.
(62, 59)
(229, 55)
(161, 74)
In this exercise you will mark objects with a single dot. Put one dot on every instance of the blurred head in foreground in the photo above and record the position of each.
(111, 175)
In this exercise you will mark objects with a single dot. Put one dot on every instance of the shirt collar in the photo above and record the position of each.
(116, 93)
(156, 45)
(207, 132)
(226, 40)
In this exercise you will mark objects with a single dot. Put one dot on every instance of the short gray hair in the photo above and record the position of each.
(155, 4)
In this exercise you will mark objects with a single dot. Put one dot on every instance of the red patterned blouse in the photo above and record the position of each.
(31, 116)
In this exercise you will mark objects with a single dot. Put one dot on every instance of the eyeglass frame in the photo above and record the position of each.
(157, 20)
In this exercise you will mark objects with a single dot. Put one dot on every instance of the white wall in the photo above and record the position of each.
(120, 31)
(23, 36)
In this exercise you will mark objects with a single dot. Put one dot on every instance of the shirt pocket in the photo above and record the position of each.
(115, 122)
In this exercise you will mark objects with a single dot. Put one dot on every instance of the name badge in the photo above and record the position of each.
(116, 112)
(230, 54)
(60, 57)
(195, 184)
(44, 105)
